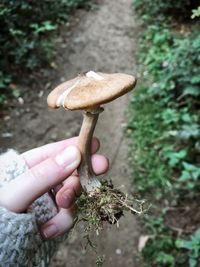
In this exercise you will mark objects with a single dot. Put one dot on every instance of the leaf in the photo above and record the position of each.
(195, 13)
(190, 171)
(186, 117)
(45, 26)
(197, 235)
(188, 167)
(170, 115)
(195, 79)
(184, 244)
(189, 131)
(48, 26)
(192, 262)
(174, 157)
(192, 90)
(165, 258)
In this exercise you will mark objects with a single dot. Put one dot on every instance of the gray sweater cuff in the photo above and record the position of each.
(19, 238)
(20, 241)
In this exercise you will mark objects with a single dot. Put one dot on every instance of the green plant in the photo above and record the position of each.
(160, 247)
(193, 246)
(26, 35)
(190, 175)
(4, 81)
(174, 157)
(159, 10)
(176, 87)
(195, 13)
(159, 116)
(146, 129)
(164, 127)
(26, 25)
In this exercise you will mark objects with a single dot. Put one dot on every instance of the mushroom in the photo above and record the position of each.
(88, 92)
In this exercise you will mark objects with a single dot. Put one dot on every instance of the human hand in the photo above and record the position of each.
(51, 167)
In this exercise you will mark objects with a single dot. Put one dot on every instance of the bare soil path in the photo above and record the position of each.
(103, 40)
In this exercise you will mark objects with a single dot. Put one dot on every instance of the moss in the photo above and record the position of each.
(105, 204)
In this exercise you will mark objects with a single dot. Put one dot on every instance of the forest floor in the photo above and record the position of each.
(104, 40)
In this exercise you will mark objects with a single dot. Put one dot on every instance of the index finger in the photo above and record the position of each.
(37, 155)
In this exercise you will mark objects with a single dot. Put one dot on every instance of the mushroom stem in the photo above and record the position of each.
(88, 179)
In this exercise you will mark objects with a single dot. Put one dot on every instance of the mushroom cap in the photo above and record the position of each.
(90, 90)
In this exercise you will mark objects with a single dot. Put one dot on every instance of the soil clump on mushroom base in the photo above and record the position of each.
(105, 204)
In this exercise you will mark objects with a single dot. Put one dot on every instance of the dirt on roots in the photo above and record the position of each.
(102, 40)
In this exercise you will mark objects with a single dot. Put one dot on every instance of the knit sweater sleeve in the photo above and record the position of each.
(20, 241)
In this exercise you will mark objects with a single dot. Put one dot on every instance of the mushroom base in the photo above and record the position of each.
(105, 204)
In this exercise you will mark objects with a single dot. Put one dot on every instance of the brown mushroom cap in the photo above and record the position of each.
(86, 92)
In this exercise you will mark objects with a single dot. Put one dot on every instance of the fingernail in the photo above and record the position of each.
(70, 157)
(69, 197)
(49, 231)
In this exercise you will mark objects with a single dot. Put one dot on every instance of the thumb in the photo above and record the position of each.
(21, 192)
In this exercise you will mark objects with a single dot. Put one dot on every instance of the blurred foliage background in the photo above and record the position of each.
(165, 131)
(26, 33)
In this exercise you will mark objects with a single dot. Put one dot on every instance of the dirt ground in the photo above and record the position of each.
(100, 40)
